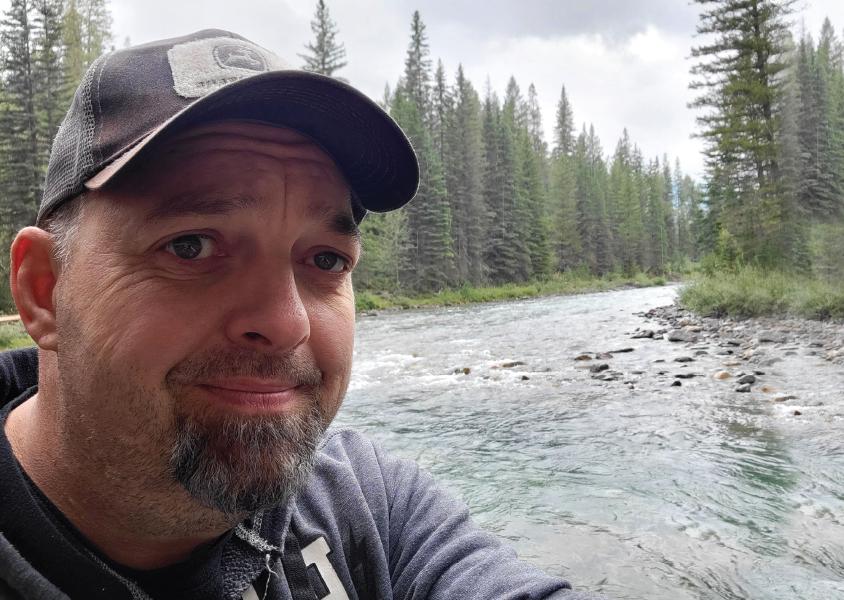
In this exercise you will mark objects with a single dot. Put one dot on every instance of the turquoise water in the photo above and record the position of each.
(654, 492)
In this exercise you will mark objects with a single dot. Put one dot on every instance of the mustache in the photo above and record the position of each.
(221, 364)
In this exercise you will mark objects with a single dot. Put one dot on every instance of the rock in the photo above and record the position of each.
(637, 372)
(772, 337)
(685, 375)
(510, 365)
(644, 334)
(676, 383)
(610, 376)
(583, 357)
(791, 353)
(599, 368)
(603, 356)
(464, 371)
(732, 363)
(759, 373)
(747, 379)
(525, 378)
(701, 352)
(622, 351)
(785, 398)
(682, 335)
(659, 360)
(797, 413)
(730, 342)
(722, 375)
(767, 389)
(684, 359)
(743, 388)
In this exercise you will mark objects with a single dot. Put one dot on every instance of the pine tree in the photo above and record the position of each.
(563, 211)
(50, 87)
(740, 77)
(97, 37)
(20, 151)
(429, 252)
(464, 181)
(326, 55)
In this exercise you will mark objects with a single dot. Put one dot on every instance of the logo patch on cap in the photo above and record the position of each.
(203, 66)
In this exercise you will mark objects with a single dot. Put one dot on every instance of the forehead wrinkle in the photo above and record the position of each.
(193, 203)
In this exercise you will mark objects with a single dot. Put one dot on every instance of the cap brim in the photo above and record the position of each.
(367, 145)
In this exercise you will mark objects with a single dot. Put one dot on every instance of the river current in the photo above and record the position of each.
(640, 491)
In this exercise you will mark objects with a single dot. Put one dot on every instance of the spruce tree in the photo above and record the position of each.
(739, 76)
(326, 55)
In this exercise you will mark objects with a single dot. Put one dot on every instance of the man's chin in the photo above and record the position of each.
(238, 465)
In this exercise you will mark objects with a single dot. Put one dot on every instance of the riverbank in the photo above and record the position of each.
(559, 285)
(753, 292)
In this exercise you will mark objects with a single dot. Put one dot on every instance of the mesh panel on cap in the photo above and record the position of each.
(72, 159)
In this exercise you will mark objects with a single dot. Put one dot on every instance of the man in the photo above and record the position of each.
(188, 285)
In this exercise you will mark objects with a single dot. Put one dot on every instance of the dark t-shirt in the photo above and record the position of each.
(34, 525)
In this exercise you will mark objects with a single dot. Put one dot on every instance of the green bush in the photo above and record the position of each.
(753, 292)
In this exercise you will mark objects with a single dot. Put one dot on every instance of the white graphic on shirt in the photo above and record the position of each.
(250, 594)
(316, 553)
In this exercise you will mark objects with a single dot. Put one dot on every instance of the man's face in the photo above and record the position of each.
(206, 315)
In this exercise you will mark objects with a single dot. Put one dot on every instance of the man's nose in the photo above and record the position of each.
(268, 311)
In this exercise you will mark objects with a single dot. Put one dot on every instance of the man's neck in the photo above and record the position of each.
(136, 519)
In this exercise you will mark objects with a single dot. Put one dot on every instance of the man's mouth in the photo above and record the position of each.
(252, 395)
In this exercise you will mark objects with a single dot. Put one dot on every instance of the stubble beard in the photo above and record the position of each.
(239, 464)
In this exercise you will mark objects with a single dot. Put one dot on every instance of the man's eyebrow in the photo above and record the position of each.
(345, 225)
(192, 204)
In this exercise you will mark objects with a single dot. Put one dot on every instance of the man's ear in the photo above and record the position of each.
(33, 280)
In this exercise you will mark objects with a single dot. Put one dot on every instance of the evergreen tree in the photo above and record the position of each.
(563, 210)
(429, 252)
(326, 55)
(464, 181)
(20, 146)
(50, 87)
(740, 77)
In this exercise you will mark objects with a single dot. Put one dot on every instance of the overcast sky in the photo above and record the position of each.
(624, 63)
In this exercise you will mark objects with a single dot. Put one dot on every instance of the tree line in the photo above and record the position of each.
(45, 48)
(771, 108)
(497, 205)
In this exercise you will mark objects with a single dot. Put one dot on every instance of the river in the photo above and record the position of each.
(639, 490)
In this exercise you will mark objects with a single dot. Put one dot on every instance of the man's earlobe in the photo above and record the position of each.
(33, 280)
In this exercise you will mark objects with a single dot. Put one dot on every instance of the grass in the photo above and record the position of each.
(754, 292)
(13, 335)
(560, 284)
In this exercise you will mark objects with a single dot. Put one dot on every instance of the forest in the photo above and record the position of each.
(500, 202)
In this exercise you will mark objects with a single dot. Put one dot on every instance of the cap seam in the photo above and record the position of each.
(96, 145)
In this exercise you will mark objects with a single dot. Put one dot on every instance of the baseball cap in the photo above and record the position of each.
(132, 97)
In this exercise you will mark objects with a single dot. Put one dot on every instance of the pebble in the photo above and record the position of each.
(743, 388)
(603, 356)
(785, 398)
(685, 375)
(767, 389)
(622, 351)
(684, 359)
(747, 379)
(676, 383)
(510, 365)
(797, 413)
(722, 375)
(583, 357)
(599, 368)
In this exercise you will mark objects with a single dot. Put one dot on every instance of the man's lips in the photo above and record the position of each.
(249, 393)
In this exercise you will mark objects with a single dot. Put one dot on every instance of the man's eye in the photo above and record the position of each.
(331, 262)
(191, 247)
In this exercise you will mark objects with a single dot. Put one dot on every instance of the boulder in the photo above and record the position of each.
(682, 335)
